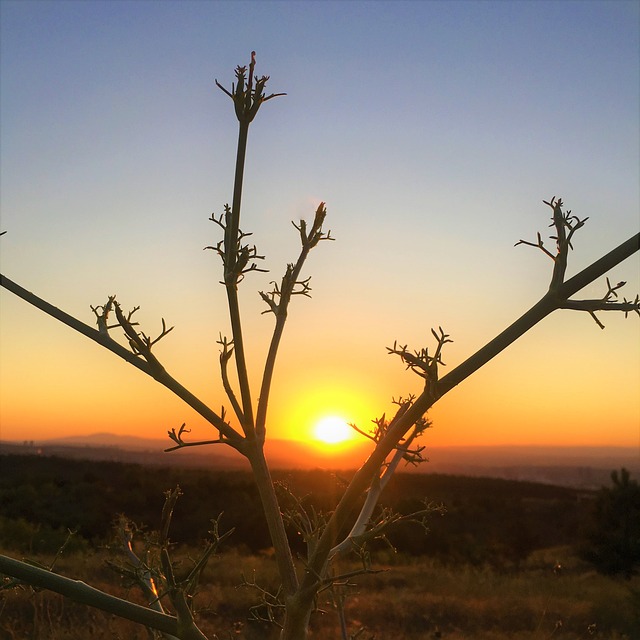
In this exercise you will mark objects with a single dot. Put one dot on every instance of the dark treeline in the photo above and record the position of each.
(486, 520)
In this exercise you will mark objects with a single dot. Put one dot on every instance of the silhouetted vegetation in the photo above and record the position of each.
(43, 497)
(614, 538)
(518, 575)
(497, 523)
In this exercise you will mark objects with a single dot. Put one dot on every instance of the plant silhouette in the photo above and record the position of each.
(354, 521)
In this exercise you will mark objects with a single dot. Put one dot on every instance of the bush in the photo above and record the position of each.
(614, 541)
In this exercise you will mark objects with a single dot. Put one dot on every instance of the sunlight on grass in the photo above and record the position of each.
(429, 598)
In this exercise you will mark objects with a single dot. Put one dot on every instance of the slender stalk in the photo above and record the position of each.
(231, 282)
(275, 523)
(288, 286)
(269, 367)
(157, 372)
(85, 594)
(247, 102)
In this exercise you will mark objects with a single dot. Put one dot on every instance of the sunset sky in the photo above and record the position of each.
(433, 131)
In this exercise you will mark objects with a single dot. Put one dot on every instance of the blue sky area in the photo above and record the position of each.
(433, 130)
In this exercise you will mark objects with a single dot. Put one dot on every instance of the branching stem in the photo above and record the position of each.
(154, 370)
(363, 478)
(85, 594)
(280, 308)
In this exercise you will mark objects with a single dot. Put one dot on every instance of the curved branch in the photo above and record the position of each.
(154, 370)
(280, 309)
(85, 594)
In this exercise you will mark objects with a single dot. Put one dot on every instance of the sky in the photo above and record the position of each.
(432, 130)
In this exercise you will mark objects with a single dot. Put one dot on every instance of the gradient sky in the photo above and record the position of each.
(433, 130)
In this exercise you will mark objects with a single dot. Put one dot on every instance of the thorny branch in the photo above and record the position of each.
(238, 260)
(402, 451)
(102, 316)
(103, 338)
(278, 303)
(181, 592)
(140, 343)
(306, 520)
(367, 473)
(138, 571)
(247, 98)
(181, 443)
(159, 581)
(566, 225)
(608, 302)
(378, 528)
(270, 603)
(421, 363)
(279, 297)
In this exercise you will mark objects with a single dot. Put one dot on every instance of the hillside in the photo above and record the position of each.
(44, 496)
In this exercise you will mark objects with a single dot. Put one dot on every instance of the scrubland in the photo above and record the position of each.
(503, 561)
(406, 598)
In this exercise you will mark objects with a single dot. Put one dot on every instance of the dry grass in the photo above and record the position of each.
(411, 599)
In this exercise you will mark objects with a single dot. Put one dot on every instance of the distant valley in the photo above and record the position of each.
(581, 467)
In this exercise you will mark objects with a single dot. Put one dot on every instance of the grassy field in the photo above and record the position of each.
(551, 595)
(501, 563)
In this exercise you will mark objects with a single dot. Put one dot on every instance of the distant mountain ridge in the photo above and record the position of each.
(586, 467)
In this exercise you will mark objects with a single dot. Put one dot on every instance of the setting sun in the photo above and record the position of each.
(332, 430)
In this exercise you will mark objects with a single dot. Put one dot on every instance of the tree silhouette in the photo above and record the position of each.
(614, 541)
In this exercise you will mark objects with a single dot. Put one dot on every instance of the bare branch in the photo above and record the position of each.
(278, 301)
(225, 355)
(85, 594)
(141, 573)
(156, 372)
(420, 362)
(404, 452)
(539, 244)
(181, 443)
(177, 593)
(370, 469)
(565, 226)
(270, 603)
(102, 315)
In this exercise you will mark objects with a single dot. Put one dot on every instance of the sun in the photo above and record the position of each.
(332, 430)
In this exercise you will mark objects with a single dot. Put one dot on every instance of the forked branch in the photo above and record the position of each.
(153, 368)
(237, 258)
(566, 225)
(278, 301)
(551, 301)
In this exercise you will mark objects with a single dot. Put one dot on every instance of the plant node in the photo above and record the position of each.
(247, 97)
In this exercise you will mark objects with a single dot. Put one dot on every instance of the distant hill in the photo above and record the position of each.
(282, 454)
(582, 467)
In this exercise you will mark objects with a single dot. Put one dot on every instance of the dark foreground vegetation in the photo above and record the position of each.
(505, 559)
(487, 520)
